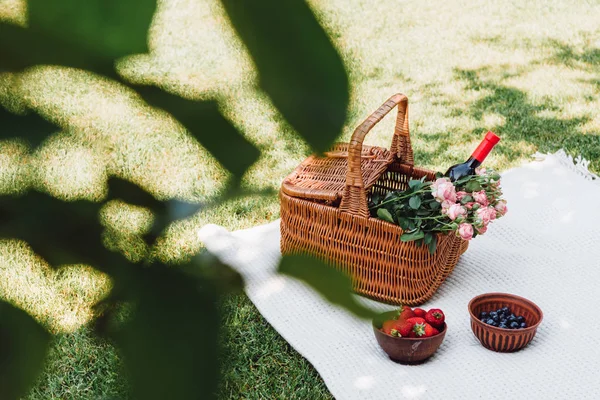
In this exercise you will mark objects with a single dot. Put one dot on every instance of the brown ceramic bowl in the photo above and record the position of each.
(499, 339)
(406, 350)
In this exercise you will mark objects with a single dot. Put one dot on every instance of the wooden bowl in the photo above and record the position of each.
(500, 339)
(406, 350)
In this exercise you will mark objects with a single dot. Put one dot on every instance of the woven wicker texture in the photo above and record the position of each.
(324, 212)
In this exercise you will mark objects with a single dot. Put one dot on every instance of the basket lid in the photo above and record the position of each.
(324, 178)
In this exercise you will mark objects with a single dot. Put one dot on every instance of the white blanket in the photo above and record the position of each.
(547, 249)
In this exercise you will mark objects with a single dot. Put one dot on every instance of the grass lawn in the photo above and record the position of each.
(528, 70)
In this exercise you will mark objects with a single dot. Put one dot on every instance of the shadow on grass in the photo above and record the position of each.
(571, 56)
(522, 124)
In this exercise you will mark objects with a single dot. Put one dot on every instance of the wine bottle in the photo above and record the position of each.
(457, 171)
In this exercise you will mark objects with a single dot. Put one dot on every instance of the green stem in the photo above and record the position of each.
(398, 198)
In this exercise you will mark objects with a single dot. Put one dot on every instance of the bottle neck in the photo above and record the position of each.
(472, 162)
(484, 148)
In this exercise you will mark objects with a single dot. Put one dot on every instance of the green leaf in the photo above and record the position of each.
(385, 215)
(416, 235)
(23, 346)
(61, 232)
(376, 198)
(330, 283)
(391, 196)
(170, 340)
(30, 127)
(110, 29)
(80, 34)
(404, 223)
(414, 202)
(204, 121)
(415, 184)
(466, 199)
(434, 205)
(473, 186)
(464, 179)
(298, 66)
(433, 244)
(21, 48)
(428, 238)
(438, 175)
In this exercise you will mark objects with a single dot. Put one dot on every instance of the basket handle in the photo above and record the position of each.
(354, 197)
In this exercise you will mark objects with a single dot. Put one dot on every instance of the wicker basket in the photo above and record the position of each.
(324, 212)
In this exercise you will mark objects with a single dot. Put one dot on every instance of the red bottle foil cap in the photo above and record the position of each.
(492, 137)
(486, 145)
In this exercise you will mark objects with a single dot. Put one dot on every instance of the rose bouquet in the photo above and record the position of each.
(425, 208)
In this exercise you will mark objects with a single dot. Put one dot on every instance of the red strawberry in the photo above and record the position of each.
(404, 328)
(430, 331)
(418, 329)
(405, 313)
(416, 320)
(435, 317)
(388, 326)
(419, 312)
(424, 330)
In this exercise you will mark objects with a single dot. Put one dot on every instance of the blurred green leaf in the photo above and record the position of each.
(170, 340)
(298, 66)
(89, 34)
(61, 232)
(23, 345)
(330, 283)
(110, 29)
(204, 121)
(30, 127)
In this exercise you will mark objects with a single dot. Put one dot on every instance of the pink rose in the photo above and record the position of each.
(481, 198)
(486, 214)
(446, 204)
(501, 207)
(469, 205)
(465, 231)
(442, 189)
(481, 230)
(461, 194)
(480, 171)
(455, 211)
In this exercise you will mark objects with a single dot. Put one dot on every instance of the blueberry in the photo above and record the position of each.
(496, 318)
(512, 318)
(483, 315)
(489, 321)
(506, 310)
(523, 325)
(502, 325)
(514, 325)
(520, 319)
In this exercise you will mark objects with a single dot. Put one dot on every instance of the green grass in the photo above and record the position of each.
(528, 70)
